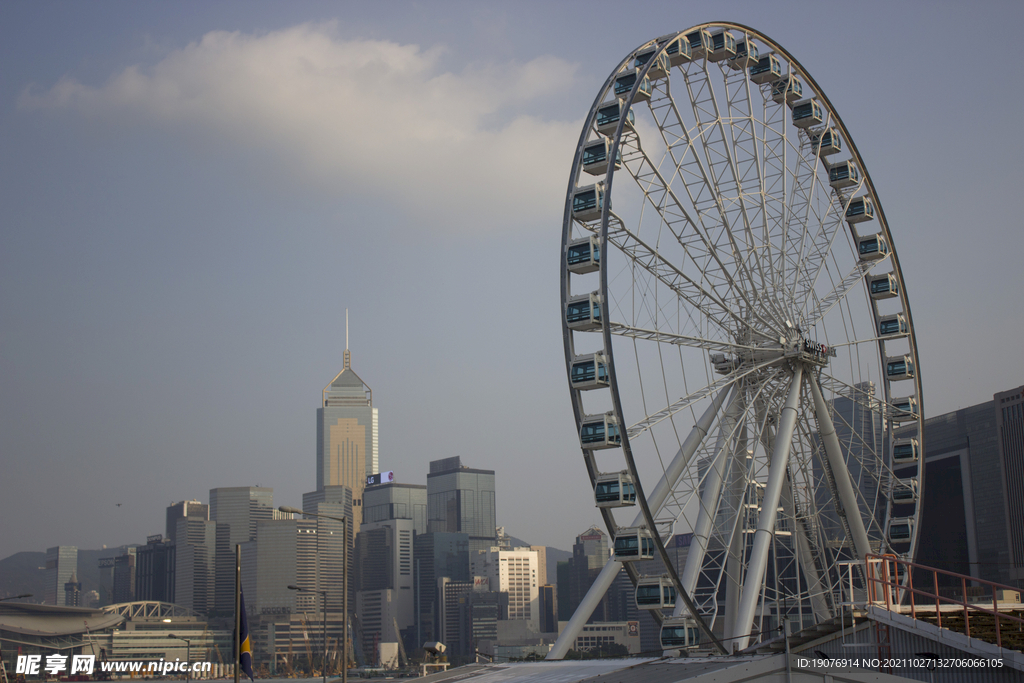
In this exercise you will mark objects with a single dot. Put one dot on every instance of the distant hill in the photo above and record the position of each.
(25, 572)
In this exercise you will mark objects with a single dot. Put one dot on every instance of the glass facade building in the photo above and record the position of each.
(346, 436)
(396, 501)
(61, 563)
(461, 500)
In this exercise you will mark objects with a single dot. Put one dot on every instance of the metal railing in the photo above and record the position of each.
(886, 586)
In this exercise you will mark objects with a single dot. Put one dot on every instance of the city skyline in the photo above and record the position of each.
(184, 227)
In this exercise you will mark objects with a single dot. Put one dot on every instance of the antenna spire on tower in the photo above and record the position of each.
(348, 356)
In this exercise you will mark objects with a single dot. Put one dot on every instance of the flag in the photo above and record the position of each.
(245, 651)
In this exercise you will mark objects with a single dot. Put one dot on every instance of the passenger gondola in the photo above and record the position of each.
(587, 202)
(608, 115)
(883, 287)
(807, 114)
(860, 209)
(767, 70)
(723, 46)
(600, 431)
(872, 247)
(655, 592)
(624, 84)
(659, 69)
(615, 490)
(634, 543)
(584, 255)
(583, 312)
(905, 451)
(595, 156)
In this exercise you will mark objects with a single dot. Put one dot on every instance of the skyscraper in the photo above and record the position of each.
(236, 510)
(515, 572)
(589, 555)
(194, 569)
(346, 435)
(396, 501)
(61, 563)
(333, 501)
(461, 500)
(186, 508)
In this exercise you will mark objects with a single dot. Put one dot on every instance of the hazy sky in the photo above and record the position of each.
(192, 193)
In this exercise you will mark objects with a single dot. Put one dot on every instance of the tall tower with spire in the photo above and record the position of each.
(346, 434)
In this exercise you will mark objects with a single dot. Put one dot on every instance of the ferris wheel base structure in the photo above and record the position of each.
(736, 299)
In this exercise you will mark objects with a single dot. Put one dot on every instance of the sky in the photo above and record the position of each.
(192, 194)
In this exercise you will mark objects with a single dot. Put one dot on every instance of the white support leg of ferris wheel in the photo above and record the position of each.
(840, 473)
(656, 500)
(709, 499)
(763, 535)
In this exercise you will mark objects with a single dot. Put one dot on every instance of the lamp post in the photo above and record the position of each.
(344, 589)
(323, 605)
(188, 654)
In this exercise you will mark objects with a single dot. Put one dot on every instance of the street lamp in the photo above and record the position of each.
(323, 603)
(344, 588)
(15, 597)
(188, 654)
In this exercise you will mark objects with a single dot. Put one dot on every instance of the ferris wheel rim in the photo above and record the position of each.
(660, 46)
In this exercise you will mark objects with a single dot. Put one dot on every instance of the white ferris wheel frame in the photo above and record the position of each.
(702, 290)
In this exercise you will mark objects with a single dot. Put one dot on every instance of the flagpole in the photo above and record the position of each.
(238, 610)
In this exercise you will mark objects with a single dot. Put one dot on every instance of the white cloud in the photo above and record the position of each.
(363, 117)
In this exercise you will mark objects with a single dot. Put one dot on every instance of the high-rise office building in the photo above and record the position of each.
(346, 435)
(124, 576)
(396, 501)
(436, 555)
(236, 510)
(515, 572)
(61, 563)
(589, 555)
(186, 508)
(73, 591)
(461, 500)
(972, 514)
(241, 507)
(194, 571)
(1009, 407)
(154, 569)
(106, 589)
(336, 502)
(385, 577)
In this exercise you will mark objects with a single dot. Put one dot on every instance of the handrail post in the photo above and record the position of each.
(995, 608)
(938, 608)
(963, 599)
(888, 586)
(910, 585)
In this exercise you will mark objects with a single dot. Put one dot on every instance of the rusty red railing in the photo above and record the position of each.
(883, 576)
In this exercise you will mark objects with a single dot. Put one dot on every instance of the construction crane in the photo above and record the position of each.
(309, 649)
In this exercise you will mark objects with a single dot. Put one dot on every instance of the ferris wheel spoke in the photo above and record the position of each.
(695, 181)
(709, 119)
(685, 287)
(687, 401)
(658, 192)
(856, 275)
(745, 142)
(624, 330)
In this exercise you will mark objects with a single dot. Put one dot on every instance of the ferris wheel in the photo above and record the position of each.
(739, 346)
